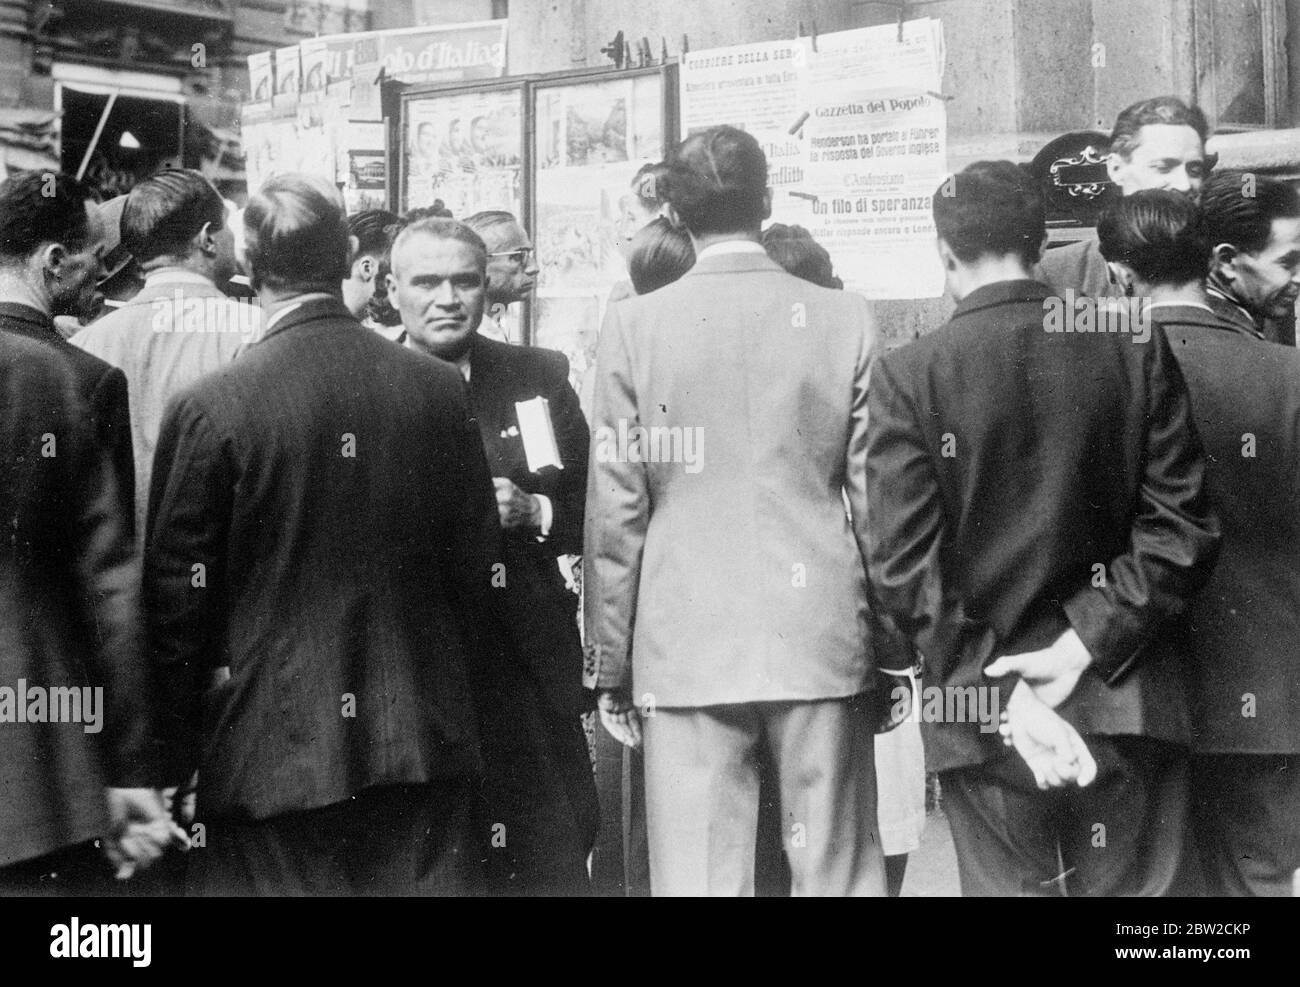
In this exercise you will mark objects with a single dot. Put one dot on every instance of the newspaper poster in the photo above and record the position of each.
(591, 138)
(761, 88)
(465, 149)
(877, 150)
(261, 77)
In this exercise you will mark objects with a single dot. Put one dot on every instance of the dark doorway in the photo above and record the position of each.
(140, 136)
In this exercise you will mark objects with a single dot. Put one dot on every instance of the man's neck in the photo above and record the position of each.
(188, 266)
(1224, 288)
(15, 288)
(272, 301)
(1192, 293)
(709, 239)
(992, 270)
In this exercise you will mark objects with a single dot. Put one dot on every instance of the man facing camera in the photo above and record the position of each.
(1253, 224)
(321, 534)
(1157, 143)
(1239, 638)
(1032, 528)
(726, 590)
(540, 782)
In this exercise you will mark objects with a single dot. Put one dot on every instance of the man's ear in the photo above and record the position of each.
(767, 203)
(367, 268)
(1120, 274)
(946, 256)
(1114, 161)
(53, 257)
(1223, 259)
(353, 246)
(205, 240)
(390, 284)
(669, 212)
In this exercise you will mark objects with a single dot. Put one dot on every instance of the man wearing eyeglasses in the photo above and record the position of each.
(511, 267)
(1157, 143)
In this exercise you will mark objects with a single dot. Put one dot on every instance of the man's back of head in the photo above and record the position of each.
(49, 230)
(1157, 240)
(991, 225)
(177, 218)
(297, 237)
(716, 183)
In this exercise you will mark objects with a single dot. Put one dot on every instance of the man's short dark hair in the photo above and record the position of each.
(374, 230)
(442, 229)
(37, 208)
(1158, 233)
(165, 212)
(296, 235)
(1167, 110)
(716, 180)
(1240, 207)
(794, 248)
(660, 254)
(991, 208)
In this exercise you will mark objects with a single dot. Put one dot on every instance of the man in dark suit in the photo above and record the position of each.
(321, 533)
(1253, 224)
(75, 760)
(1240, 636)
(439, 283)
(1037, 524)
(51, 253)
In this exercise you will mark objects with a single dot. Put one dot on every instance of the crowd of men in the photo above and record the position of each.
(299, 548)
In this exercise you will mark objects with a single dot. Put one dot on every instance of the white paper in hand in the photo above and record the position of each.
(538, 434)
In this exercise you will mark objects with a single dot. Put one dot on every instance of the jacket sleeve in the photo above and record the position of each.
(111, 407)
(905, 521)
(574, 441)
(190, 502)
(618, 514)
(108, 573)
(1174, 539)
(889, 649)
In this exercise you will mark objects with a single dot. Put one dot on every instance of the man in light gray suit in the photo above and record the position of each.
(726, 594)
(180, 326)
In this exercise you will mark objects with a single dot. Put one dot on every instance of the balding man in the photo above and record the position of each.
(541, 786)
(321, 531)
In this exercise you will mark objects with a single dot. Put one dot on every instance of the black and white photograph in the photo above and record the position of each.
(604, 449)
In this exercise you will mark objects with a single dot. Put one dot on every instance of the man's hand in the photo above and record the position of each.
(140, 829)
(1052, 672)
(619, 715)
(517, 509)
(1052, 749)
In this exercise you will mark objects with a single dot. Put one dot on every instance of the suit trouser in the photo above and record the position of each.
(1128, 833)
(1246, 810)
(386, 840)
(702, 795)
(76, 871)
(537, 803)
(620, 863)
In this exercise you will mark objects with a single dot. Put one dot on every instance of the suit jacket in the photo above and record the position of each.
(541, 613)
(161, 348)
(1240, 636)
(727, 570)
(102, 387)
(1005, 464)
(1080, 267)
(69, 614)
(335, 494)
